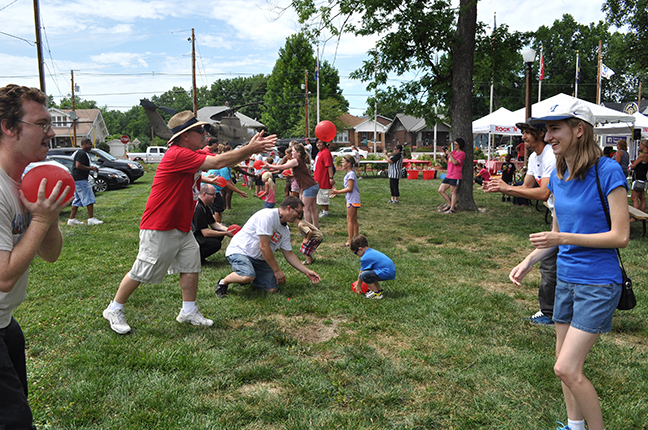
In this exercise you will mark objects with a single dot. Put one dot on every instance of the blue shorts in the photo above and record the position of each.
(369, 277)
(267, 205)
(453, 182)
(261, 271)
(586, 307)
(83, 195)
(311, 191)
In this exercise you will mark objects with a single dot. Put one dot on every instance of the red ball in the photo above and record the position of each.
(234, 228)
(325, 131)
(287, 172)
(259, 195)
(364, 287)
(32, 179)
(258, 164)
(220, 181)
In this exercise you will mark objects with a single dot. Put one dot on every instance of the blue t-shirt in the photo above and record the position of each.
(224, 172)
(378, 262)
(578, 209)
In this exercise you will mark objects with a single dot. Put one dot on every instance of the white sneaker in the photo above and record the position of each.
(117, 320)
(194, 318)
(94, 221)
(74, 221)
(323, 214)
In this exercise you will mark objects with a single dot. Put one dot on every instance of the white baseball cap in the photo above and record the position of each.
(573, 108)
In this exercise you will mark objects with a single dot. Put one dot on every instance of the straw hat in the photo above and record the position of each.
(182, 122)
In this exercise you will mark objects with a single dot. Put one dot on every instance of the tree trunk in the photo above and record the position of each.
(461, 108)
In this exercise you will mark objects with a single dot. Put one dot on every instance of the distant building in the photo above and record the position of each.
(406, 129)
(89, 124)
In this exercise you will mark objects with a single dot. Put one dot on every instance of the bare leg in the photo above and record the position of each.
(126, 288)
(442, 190)
(581, 399)
(453, 193)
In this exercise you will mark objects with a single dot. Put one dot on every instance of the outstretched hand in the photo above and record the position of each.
(314, 277)
(261, 143)
(495, 185)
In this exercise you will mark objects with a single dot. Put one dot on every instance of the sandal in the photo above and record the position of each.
(449, 211)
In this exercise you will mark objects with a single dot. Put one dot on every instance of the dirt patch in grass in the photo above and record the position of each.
(304, 329)
(314, 330)
(260, 388)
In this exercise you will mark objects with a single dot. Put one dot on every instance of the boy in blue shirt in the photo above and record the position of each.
(374, 266)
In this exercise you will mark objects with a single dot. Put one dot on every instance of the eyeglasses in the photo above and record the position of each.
(356, 251)
(199, 130)
(211, 194)
(46, 127)
(300, 213)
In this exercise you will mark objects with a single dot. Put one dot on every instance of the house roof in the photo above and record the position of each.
(351, 120)
(411, 124)
(87, 120)
(368, 126)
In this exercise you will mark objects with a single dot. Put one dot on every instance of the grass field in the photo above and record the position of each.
(448, 347)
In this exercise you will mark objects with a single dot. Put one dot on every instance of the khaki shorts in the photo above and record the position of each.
(162, 252)
(323, 197)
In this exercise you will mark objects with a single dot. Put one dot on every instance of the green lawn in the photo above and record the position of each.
(448, 347)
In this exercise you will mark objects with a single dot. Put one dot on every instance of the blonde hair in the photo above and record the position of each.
(267, 177)
(587, 152)
(622, 144)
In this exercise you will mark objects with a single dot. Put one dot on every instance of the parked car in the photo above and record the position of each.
(153, 154)
(105, 179)
(101, 158)
(344, 151)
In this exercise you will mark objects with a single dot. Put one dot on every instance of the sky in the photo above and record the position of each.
(125, 50)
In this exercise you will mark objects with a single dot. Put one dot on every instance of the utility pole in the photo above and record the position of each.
(73, 115)
(306, 98)
(39, 46)
(193, 72)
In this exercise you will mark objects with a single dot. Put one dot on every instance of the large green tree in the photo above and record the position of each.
(285, 100)
(410, 33)
(560, 44)
(498, 62)
(634, 14)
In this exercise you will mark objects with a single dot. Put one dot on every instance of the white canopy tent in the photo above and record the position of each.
(602, 114)
(502, 121)
(625, 128)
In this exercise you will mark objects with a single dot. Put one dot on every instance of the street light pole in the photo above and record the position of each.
(529, 57)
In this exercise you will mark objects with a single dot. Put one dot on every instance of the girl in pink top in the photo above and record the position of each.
(452, 180)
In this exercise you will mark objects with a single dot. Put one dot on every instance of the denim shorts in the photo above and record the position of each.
(369, 277)
(261, 271)
(311, 191)
(587, 307)
(83, 195)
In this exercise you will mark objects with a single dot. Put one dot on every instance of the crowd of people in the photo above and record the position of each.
(182, 225)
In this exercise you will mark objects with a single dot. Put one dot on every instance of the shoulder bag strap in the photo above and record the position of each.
(606, 211)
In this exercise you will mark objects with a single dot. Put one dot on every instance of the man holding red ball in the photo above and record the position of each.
(27, 229)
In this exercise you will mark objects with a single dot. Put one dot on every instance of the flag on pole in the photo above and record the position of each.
(577, 69)
(541, 67)
(606, 72)
(317, 69)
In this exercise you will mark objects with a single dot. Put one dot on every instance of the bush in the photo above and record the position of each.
(103, 146)
(424, 149)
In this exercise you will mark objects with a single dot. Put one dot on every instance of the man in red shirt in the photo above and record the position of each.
(324, 176)
(167, 244)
